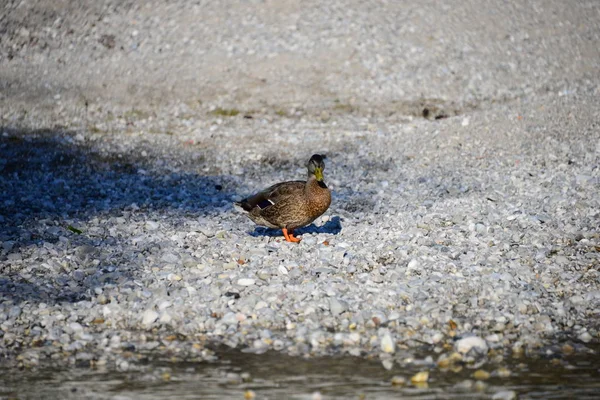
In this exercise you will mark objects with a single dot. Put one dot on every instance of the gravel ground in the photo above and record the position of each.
(463, 152)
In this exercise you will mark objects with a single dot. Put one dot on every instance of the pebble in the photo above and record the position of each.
(152, 225)
(165, 318)
(470, 345)
(568, 349)
(481, 375)
(246, 282)
(387, 344)
(585, 337)
(437, 337)
(413, 265)
(15, 312)
(148, 317)
(387, 364)
(336, 307)
(170, 258)
(230, 319)
(398, 381)
(505, 395)
(76, 327)
(464, 386)
(420, 377)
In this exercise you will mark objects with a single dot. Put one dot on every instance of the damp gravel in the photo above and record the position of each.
(463, 154)
(472, 243)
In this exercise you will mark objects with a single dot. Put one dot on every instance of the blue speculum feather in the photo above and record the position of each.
(264, 204)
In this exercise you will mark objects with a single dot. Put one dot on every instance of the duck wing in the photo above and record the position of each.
(273, 195)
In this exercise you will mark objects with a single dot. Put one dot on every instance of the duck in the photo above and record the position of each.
(290, 205)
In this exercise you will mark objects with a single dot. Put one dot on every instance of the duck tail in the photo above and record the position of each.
(244, 205)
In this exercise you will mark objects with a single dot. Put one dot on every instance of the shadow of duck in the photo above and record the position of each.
(332, 227)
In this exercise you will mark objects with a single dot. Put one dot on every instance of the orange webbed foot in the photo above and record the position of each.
(290, 236)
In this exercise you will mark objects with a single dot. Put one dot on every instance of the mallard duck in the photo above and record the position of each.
(291, 205)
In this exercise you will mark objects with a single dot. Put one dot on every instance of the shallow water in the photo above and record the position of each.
(274, 376)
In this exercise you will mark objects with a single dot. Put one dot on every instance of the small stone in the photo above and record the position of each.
(388, 364)
(503, 372)
(249, 395)
(336, 307)
(585, 337)
(246, 282)
(14, 312)
(413, 264)
(481, 375)
(493, 338)
(152, 225)
(387, 344)
(78, 275)
(246, 377)
(505, 395)
(229, 265)
(398, 381)
(471, 344)
(394, 315)
(14, 257)
(170, 258)
(437, 337)
(148, 317)
(165, 318)
(230, 319)
(568, 349)
(123, 365)
(517, 349)
(76, 327)
(264, 275)
(444, 363)
(260, 305)
(465, 385)
(420, 377)
(24, 32)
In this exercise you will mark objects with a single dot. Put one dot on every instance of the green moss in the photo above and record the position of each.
(225, 112)
(135, 114)
(281, 113)
(344, 108)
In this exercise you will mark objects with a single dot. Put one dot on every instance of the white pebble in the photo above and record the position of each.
(505, 395)
(387, 344)
(149, 317)
(471, 343)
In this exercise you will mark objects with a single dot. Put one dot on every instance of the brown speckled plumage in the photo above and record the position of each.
(291, 205)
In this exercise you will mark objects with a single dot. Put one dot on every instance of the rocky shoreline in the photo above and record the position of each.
(467, 227)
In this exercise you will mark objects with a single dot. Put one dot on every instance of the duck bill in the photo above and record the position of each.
(319, 174)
